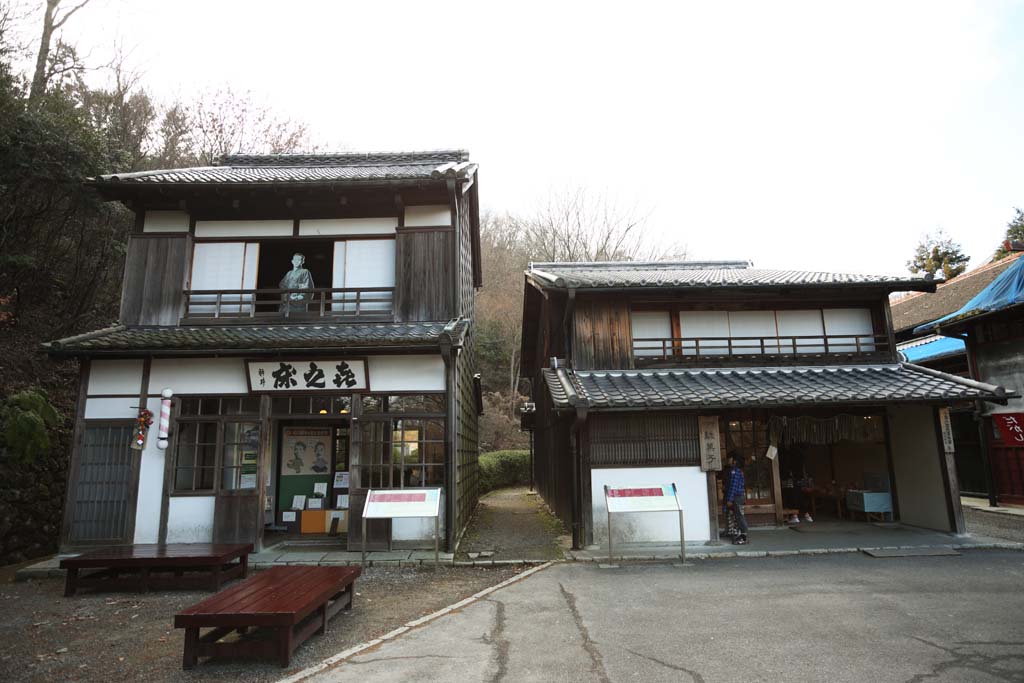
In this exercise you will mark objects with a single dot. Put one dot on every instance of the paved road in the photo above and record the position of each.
(827, 618)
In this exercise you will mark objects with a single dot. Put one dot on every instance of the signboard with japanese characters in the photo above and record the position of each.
(412, 502)
(1011, 427)
(710, 446)
(308, 375)
(654, 498)
(946, 425)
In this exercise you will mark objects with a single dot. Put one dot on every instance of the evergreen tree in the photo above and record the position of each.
(1014, 231)
(938, 252)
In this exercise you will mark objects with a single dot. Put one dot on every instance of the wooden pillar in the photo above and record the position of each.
(265, 463)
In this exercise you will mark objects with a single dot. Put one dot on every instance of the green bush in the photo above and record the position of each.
(500, 469)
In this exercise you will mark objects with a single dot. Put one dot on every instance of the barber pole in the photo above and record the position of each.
(165, 419)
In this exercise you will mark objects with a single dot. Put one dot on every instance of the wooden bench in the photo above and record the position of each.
(292, 602)
(142, 567)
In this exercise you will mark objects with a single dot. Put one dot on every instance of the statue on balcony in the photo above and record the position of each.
(298, 278)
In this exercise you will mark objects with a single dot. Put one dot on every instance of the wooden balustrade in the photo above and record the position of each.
(247, 305)
(689, 350)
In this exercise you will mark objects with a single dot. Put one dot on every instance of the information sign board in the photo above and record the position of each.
(642, 499)
(392, 503)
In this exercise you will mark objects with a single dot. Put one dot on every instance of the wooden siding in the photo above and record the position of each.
(601, 335)
(466, 281)
(155, 277)
(423, 275)
(467, 452)
(643, 440)
(553, 451)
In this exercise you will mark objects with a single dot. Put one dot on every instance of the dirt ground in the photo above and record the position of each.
(130, 637)
(514, 525)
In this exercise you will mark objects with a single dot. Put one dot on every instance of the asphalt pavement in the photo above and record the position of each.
(822, 618)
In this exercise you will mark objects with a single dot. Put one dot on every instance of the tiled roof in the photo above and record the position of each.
(911, 311)
(246, 169)
(702, 274)
(762, 387)
(257, 337)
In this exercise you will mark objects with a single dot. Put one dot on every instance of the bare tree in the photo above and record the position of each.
(578, 225)
(53, 19)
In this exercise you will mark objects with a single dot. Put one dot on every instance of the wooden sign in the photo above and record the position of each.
(710, 446)
(332, 375)
(947, 431)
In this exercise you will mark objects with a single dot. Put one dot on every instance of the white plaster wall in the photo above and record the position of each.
(406, 373)
(348, 226)
(418, 528)
(190, 519)
(165, 221)
(151, 485)
(244, 228)
(198, 376)
(920, 491)
(111, 408)
(652, 527)
(438, 214)
(115, 377)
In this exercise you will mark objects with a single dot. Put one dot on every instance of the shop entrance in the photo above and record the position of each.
(308, 493)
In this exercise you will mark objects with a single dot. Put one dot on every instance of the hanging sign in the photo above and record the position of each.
(402, 503)
(1011, 427)
(332, 375)
(710, 446)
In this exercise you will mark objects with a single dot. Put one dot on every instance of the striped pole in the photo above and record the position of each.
(165, 419)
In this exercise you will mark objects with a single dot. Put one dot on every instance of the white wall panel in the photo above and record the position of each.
(283, 228)
(406, 373)
(419, 216)
(855, 322)
(806, 323)
(111, 408)
(370, 263)
(165, 221)
(115, 377)
(190, 519)
(348, 226)
(198, 376)
(760, 324)
(151, 486)
(652, 527)
(651, 325)
(704, 324)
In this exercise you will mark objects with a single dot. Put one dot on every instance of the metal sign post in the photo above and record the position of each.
(404, 503)
(654, 498)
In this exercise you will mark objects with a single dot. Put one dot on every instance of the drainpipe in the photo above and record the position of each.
(568, 326)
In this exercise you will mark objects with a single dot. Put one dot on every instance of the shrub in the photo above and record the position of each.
(501, 469)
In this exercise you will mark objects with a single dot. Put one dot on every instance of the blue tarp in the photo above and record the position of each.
(1005, 291)
(942, 346)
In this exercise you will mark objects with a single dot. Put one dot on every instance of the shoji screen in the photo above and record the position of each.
(759, 326)
(369, 263)
(651, 325)
(851, 324)
(220, 266)
(807, 323)
(711, 325)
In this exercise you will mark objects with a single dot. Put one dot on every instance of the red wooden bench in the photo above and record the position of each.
(175, 565)
(293, 602)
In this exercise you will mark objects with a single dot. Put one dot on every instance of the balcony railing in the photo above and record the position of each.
(266, 305)
(722, 350)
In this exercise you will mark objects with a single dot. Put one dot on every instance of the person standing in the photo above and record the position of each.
(735, 494)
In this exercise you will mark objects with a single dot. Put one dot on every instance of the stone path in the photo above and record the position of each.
(513, 524)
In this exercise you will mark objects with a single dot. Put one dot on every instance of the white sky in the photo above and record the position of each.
(812, 135)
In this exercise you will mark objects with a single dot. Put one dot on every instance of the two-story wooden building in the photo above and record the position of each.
(311, 316)
(638, 370)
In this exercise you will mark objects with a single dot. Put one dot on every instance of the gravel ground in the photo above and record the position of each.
(994, 524)
(130, 637)
(514, 525)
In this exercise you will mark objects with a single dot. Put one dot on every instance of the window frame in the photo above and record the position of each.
(220, 420)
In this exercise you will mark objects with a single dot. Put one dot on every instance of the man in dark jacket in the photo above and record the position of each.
(735, 493)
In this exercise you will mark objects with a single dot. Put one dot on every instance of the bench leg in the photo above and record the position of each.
(216, 580)
(323, 619)
(71, 582)
(245, 566)
(191, 645)
(284, 643)
(144, 580)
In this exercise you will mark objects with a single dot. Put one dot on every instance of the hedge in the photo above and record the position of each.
(500, 469)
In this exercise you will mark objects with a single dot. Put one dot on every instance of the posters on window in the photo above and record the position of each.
(306, 450)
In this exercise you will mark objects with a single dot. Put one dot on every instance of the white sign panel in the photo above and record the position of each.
(710, 446)
(948, 443)
(654, 498)
(307, 375)
(393, 503)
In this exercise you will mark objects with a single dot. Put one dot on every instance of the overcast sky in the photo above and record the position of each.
(818, 135)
